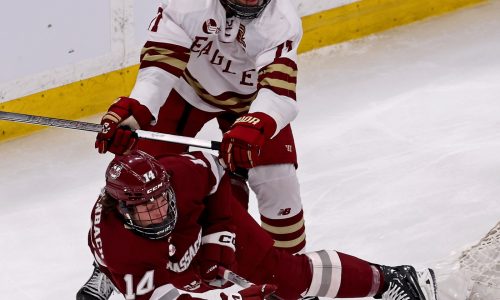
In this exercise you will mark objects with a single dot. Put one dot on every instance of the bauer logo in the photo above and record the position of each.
(115, 171)
(210, 27)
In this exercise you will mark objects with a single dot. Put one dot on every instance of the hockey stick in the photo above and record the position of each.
(85, 126)
(237, 279)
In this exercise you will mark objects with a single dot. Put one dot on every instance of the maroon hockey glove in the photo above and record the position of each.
(217, 250)
(255, 292)
(123, 116)
(241, 144)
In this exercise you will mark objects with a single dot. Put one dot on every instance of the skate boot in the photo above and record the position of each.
(98, 287)
(404, 283)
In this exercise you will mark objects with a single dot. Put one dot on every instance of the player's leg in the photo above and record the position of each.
(276, 186)
(322, 273)
(261, 263)
(178, 117)
(338, 275)
(334, 274)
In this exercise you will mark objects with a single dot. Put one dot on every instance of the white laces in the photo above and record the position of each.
(100, 285)
(394, 292)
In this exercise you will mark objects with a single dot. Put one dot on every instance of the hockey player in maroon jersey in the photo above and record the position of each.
(164, 227)
(234, 61)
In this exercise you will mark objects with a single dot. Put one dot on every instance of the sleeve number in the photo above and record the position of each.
(153, 26)
(144, 286)
(284, 46)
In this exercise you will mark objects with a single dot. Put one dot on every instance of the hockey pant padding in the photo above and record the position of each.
(278, 194)
(338, 275)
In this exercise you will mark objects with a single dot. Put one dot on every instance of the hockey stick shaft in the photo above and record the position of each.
(85, 126)
(237, 279)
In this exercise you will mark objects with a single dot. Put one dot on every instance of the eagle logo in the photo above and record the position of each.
(210, 27)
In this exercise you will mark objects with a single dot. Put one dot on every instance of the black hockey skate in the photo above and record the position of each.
(98, 287)
(404, 283)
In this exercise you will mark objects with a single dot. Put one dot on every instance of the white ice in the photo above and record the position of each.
(399, 150)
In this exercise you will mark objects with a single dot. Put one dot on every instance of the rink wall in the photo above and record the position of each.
(89, 86)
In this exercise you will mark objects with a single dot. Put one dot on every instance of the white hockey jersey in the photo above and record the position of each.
(222, 63)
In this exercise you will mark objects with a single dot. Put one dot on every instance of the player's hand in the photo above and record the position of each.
(241, 144)
(255, 292)
(123, 116)
(217, 250)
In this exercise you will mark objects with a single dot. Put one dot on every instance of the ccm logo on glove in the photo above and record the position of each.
(227, 239)
(217, 250)
(223, 238)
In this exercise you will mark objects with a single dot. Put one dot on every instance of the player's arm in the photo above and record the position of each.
(163, 59)
(218, 238)
(274, 107)
(277, 80)
(215, 189)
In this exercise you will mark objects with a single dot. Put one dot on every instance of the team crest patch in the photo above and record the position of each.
(115, 171)
(210, 27)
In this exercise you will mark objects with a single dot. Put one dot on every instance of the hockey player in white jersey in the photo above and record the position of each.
(234, 61)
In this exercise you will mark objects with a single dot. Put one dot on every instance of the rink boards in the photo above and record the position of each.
(93, 95)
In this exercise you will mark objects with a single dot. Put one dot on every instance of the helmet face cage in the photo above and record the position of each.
(244, 11)
(153, 219)
(145, 197)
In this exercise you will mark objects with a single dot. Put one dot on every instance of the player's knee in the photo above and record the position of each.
(277, 190)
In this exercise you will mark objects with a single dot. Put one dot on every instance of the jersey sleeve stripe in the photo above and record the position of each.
(280, 77)
(168, 57)
(167, 46)
(273, 85)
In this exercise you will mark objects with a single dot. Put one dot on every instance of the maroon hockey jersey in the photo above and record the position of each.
(140, 267)
(137, 265)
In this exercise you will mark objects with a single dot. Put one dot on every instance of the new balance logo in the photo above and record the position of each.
(284, 211)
